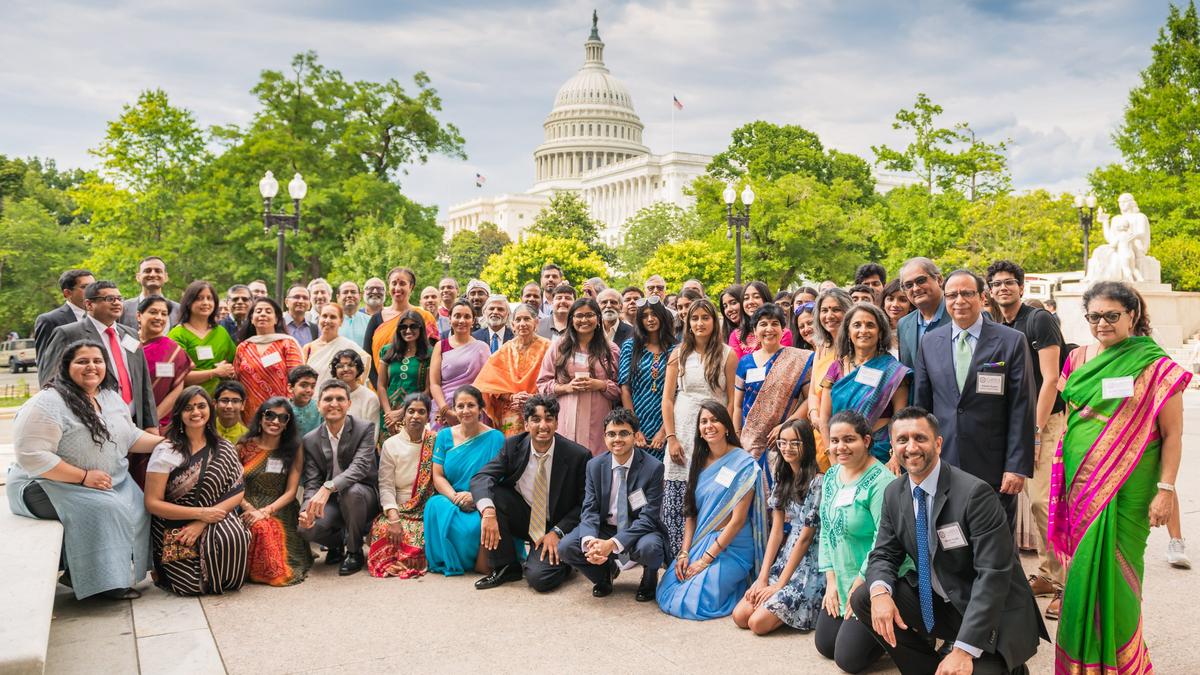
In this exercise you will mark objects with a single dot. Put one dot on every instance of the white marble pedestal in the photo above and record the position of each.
(1175, 315)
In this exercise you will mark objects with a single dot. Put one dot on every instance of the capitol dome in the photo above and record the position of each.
(592, 125)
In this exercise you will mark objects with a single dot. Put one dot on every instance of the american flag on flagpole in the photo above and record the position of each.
(678, 105)
(480, 179)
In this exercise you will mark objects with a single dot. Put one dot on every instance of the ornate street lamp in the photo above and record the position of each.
(1087, 214)
(736, 221)
(268, 187)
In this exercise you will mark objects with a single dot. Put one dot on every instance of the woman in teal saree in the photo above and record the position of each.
(1113, 479)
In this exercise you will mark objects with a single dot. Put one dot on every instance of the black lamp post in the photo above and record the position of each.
(268, 187)
(1087, 215)
(736, 221)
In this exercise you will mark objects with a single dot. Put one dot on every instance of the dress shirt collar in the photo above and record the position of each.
(937, 316)
(628, 463)
(291, 321)
(101, 328)
(534, 454)
(973, 330)
(78, 311)
(929, 485)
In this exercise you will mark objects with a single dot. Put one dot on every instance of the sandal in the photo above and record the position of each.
(122, 594)
(1055, 607)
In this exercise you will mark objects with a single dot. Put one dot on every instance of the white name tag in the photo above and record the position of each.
(989, 383)
(756, 375)
(274, 465)
(725, 476)
(637, 499)
(951, 536)
(581, 359)
(130, 343)
(204, 352)
(869, 377)
(271, 359)
(845, 497)
(1116, 387)
(164, 369)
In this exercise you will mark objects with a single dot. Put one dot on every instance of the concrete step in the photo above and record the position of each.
(28, 576)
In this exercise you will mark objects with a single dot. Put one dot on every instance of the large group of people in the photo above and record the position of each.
(861, 463)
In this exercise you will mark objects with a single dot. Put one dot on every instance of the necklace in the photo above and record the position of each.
(654, 371)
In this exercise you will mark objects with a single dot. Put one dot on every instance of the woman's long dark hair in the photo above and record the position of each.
(289, 438)
(191, 294)
(666, 334)
(747, 327)
(397, 348)
(794, 323)
(711, 357)
(727, 326)
(75, 397)
(247, 330)
(789, 486)
(176, 431)
(701, 451)
(598, 351)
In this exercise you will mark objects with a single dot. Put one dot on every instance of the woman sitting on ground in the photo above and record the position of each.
(405, 483)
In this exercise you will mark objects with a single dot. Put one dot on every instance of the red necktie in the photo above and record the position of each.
(119, 363)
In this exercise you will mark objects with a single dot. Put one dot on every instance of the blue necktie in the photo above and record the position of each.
(924, 578)
(622, 506)
(495, 342)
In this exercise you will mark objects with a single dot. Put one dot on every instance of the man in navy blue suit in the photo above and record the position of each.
(976, 377)
(495, 331)
(620, 520)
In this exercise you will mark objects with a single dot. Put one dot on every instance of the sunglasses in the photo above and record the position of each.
(409, 326)
(653, 300)
(918, 281)
(272, 416)
(1111, 318)
(804, 307)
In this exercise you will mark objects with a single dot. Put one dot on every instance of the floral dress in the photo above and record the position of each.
(799, 602)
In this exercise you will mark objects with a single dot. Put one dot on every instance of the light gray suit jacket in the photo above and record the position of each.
(143, 408)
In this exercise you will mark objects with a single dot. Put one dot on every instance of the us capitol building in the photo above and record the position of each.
(593, 146)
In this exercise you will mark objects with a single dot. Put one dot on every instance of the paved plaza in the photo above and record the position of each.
(360, 624)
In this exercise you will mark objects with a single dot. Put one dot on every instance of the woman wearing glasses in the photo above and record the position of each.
(272, 461)
(642, 372)
(457, 359)
(1114, 478)
(404, 370)
(580, 368)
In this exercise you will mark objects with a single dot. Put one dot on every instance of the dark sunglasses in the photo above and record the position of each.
(409, 326)
(272, 416)
(803, 307)
(918, 281)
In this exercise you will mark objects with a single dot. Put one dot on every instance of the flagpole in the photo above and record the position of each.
(672, 125)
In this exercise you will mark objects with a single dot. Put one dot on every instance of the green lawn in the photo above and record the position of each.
(12, 401)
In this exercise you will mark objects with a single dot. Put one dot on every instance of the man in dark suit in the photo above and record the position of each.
(620, 520)
(73, 283)
(122, 351)
(339, 480)
(616, 330)
(922, 283)
(495, 331)
(151, 276)
(968, 588)
(975, 376)
(532, 491)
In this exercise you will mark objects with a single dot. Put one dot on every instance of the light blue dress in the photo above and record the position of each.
(106, 533)
(451, 534)
(716, 590)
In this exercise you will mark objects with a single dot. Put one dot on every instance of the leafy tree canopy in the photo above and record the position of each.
(521, 262)
(468, 250)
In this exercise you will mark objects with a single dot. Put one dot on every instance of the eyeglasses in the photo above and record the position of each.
(965, 295)
(1111, 318)
(917, 281)
(239, 298)
(794, 445)
(586, 317)
(1001, 283)
(345, 366)
(623, 433)
(653, 300)
(408, 327)
(230, 401)
(272, 416)
(107, 298)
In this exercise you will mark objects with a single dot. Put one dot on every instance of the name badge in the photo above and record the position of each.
(637, 499)
(274, 465)
(951, 536)
(130, 343)
(869, 377)
(725, 476)
(989, 383)
(164, 369)
(1116, 387)
(271, 359)
(845, 497)
(204, 352)
(756, 375)
(581, 359)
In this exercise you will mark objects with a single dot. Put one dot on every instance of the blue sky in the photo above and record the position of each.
(1051, 75)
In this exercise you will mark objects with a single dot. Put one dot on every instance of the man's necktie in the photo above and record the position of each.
(114, 346)
(495, 342)
(541, 495)
(962, 359)
(924, 578)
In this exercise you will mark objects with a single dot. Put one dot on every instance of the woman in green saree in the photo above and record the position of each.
(1113, 479)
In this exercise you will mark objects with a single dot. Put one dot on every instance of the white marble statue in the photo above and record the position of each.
(1124, 257)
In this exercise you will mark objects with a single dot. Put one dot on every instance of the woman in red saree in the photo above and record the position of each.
(265, 355)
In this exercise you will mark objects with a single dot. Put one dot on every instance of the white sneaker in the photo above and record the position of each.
(1177, 556)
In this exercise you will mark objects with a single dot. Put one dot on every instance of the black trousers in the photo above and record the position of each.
(914, 651)
(849, 642)
(512, 517)
(648, 551)
(346, 520)
(1009, 502)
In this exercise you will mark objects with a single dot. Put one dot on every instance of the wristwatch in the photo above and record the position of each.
(330, 486)
(558, 532)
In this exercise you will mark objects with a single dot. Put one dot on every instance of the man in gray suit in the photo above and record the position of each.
(73, 284)
(122, 351)
(968, 589)
(340, 497)
(922, 283)
(151, 276)
(976, 376)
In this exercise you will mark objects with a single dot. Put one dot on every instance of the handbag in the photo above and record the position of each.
(174, 550)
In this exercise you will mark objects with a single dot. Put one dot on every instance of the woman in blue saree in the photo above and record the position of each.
(724, 533)
(866, 378)
(451, 521)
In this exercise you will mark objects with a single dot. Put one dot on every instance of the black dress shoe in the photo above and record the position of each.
(499, 577)
(602, 589)
(335, 555)
(649, 586)
(352, 564)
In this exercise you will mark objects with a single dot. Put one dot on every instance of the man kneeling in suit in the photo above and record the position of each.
(968, 588)
(532, 491)
(622, 503)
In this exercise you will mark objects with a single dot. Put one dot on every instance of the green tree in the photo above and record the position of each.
(567, 217)
(1180, 258)
(916, 222)
(468, 250)
(34, 247)
(376, 246)
(648, 229)
(679, 261)
(521, 262)
(1038, 230)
